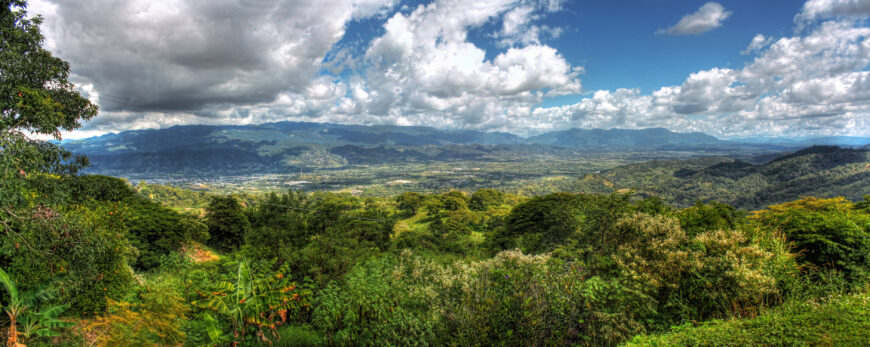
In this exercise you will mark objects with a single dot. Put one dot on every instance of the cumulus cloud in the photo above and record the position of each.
(815, 9)
(758, 42)
(158, 64)
(708, 17)
(180, 55)
(814, 84)
(425, 67)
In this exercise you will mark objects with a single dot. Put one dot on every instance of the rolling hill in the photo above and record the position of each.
(821, 171)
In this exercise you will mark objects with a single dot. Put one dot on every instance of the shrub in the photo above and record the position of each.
(484, 199)
(827, 233)
(373, 308)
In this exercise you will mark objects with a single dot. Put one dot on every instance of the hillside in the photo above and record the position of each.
(657, 138)
(279, 147)
(823, 171)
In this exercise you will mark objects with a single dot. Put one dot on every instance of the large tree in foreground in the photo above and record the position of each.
(36, 97)
(53, 233)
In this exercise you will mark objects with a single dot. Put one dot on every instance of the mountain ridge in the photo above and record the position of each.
(821, 171)
(282, 146)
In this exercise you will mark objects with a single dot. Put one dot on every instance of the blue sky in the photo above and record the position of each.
(522, 66)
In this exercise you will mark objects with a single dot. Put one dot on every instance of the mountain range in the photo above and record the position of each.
(283, 146)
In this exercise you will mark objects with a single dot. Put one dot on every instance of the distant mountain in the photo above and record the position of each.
(285, 146)
(821, 171)
(801, 142)
(657, 138)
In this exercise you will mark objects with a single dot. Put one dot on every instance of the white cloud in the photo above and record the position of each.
(816, 9)
(812, 84)
(424, 67)
(758, 42)
(172, 65)
(708, 17)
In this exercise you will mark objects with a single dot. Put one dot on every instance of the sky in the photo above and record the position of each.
(731, 69)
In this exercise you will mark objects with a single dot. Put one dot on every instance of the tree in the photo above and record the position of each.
(36, 96)
(538, 225)
(410, 202)
(226, 223)
(483, 199)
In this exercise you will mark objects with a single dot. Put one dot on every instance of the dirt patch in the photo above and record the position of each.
(198, 253)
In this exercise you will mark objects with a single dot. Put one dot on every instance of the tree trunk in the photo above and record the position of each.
(12, 338)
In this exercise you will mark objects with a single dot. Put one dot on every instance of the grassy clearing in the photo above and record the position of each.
(418, 222)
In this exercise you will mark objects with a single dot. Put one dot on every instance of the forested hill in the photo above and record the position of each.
(276, 147)
(624, 138)
(822, 171)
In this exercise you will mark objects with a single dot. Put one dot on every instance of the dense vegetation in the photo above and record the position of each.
(450, 268)
(90, 260)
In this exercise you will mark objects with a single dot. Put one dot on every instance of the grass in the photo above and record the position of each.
(838, 320)
(418, 222)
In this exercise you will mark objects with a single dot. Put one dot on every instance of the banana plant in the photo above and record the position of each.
(254, 304)
(22, 309)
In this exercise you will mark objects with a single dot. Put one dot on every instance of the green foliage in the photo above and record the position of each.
(226, 223)
(839, 320)
(655, 257)
(410, 202)
(517, 299)
(28, 317)
(154, 230)
(484, 199)
(36, 96)
(36, 92)
(176, 198)
(255, 304)
(82, 251)
(543, 223)
(539, 224)
(299, 336)
(323, 235)
(712, 216)
(827, 233)
(371, 308)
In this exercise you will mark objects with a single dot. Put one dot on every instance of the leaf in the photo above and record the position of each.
(214, 332)
(10, 287)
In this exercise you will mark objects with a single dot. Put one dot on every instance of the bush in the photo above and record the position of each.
(298, 336)
(716, 273)
(372, 308)
(827, 233)
(484, 199)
